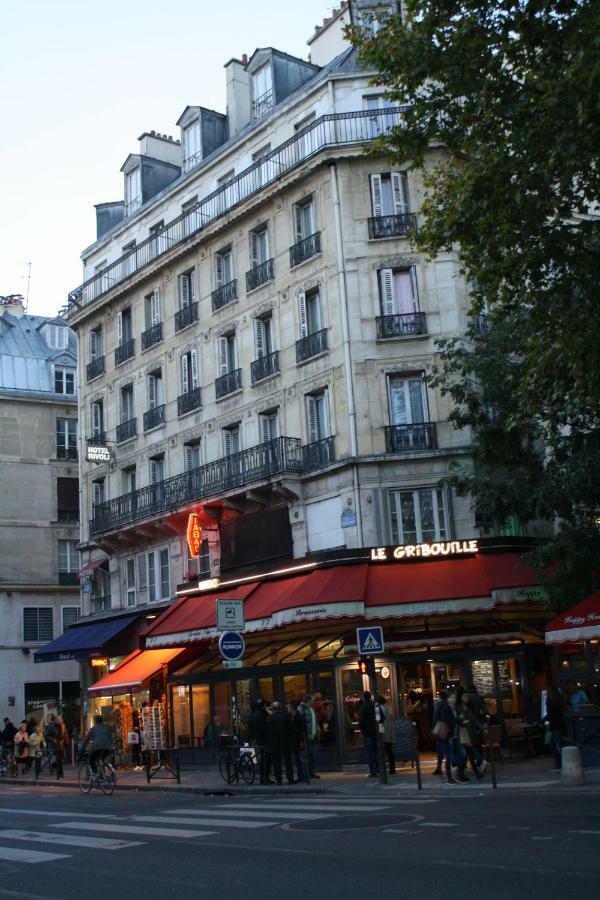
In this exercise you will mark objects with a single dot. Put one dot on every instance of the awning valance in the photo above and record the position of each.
(83, 641)
(90, 567)
(133, 672)
(581, 623)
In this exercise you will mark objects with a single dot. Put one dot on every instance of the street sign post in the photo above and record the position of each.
(231, 645)
(230, 615)
(370, 640)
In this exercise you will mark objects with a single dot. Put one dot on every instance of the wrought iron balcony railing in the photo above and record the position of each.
(311, 345)
(125, 351)
(330, 131)
(228, 383)
(189, 401)
(409, 438)
(318, 454)
(100, 604)
(186, 316)
(126, 430)
(98, 439)
(68, 578)
(95, 368)
(154, 417)
(265, 366)
(392, 226)
(152, 336)
(262, 104)
(68, 516)
(303, 250)
(66, 452)
(402, 325)
(479, 325)
(224, 294)
(254, 464)
(260, 274)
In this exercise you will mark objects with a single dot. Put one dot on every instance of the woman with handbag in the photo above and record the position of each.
(435, 729)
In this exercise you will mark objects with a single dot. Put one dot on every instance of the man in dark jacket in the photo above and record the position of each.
(368, 727)
(299, 739)
(279, 742)
(257, 732)
(100, 736)
(7, 737)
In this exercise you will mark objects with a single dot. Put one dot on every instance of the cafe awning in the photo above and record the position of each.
(83, 641)
(581, 623)
(133, 672)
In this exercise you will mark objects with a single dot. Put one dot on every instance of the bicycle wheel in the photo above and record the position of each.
(85, 778)
(227, 768)
(107, 779)
(247, 769)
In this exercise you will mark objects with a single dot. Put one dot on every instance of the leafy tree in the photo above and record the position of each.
(502, 120)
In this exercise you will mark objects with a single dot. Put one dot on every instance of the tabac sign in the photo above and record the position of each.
(423, 551)
(194, 535)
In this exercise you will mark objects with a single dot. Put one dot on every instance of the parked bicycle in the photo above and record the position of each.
(103, 777)
(47, 761)
(238, 762)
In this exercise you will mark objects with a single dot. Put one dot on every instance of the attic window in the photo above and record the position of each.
(192, 146)
(57, 337)
(262, 91)
(133, 191)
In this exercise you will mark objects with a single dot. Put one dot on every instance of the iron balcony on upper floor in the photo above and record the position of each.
(186, 316)
(126, 430)
(152, 336)
(311, 345)
(95, 368)
(401, 325)
(224, 294)
(124, 351)
(400, 225)
(329, 131)
(189, 401)
(305, 249)
(410, 438)
(259, 274)
(264, 366)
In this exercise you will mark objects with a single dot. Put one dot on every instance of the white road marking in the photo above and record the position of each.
(75, 840)
(134, 829)
(465, 834)
(583, 831)
(271, 804)
(541, 838)
(44, 812)
(438, 824)
(222, 823)
(250, 814)
(17, 854)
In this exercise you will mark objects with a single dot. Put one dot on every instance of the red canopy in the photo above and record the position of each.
(581, 623)
(131, 674)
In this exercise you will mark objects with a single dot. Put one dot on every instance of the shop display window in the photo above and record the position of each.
(200, 711)
(181, 716)
(294, 688)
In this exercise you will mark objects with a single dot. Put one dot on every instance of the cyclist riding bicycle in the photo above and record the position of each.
(101, 737)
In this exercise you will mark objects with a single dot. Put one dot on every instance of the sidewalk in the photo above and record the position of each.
(523, 776)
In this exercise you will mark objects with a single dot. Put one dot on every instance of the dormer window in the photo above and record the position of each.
(133, 191)
(57, 337)
(262, 91)
(192, 146)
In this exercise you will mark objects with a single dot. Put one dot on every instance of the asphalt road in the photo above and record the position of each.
(57, 845)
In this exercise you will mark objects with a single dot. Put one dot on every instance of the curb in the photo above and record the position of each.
(207, 790)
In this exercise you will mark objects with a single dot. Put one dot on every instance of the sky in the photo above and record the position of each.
(80, 80)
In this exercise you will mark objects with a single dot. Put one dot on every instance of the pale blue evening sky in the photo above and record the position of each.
(79, 81)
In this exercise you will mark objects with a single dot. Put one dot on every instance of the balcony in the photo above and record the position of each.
(264, 367)
(126, 430)
(318, 454)
(68, 578)
(260, 274)
(479, 325)
(303, 250)
(154, 417)
(224, 294)
(402, 325)
(330, 131)
(95, 368)
(282, 455)
(262, 105)
(66, 452)
(125, 351)
(68, 516)
(186, 316)
(392, 226)
(187, 402)
(311, 345)
(410, 438)
(98, 439)
(228, 383)
(152, 336)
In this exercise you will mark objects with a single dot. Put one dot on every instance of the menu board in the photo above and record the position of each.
(154, 724)
(483, 676)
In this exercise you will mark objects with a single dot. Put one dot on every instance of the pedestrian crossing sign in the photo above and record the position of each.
(370, 640)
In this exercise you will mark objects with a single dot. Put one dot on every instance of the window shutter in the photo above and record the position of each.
(415, 288)
(254, 248)
(184, 290)
(387, 292)
(194, 373)
(326, 432)
(151, 391)
(265, 429)
(119, 329)
(303, 321)
(96, 418)
(376, 195)
(155, 307)
(299, 223)
(223, 356)
(227, 441)
(155, 471)
(259, 332)
(219, 269)
(185, 374)
(311, 419)
(189, 461)
(141, 572)
(192, 285)
(400, 192)
(93, 344)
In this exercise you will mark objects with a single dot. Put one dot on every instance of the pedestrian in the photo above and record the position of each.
(470, 732)
(21, 745)
(61, 745)
(437, 717)
(36, 745)
(279, 742)
(257, 731)
(555, 722)
(368, 726)
(136, 729)
(312, 733)
(386, 719)
(7, 736)
(452, 748)
(52, 734)
(477, 703)
(577, 696)
(214, 732)
(298, 739)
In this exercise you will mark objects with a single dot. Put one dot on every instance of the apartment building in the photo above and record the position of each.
(39, 507)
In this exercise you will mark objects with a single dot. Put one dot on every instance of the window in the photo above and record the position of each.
(124, 326)
(98, 491)
(130, 263)
(398, 291)
(64, 380)
(379, 123)
(268, 425)
(157, 469)
(38, 624)
(158, 575)
(304, 219)
(133, 191)
(66, 438)
(98, 418)
(309, 312)
(232, 440)
(193, 218)
(192, 458)
(70, 615)
(418, 516)
(198, 565)
(307, 143)
(259, 246)
(266, 171)
(317, 416)
(187, 289)
(155, 389)
(263, 336)
(224, 266)
(67, 497)
(127, 409)
(227, 354)
(129, 479)
(389, 194)
(68, 556)
(190, 375)
(192, 145)
(96, 343)
(160, 241)
(262, 91)
(407, 399)
(152, 308)
(130, 583)
(57, 336)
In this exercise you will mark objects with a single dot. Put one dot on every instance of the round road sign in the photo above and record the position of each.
(231, 645)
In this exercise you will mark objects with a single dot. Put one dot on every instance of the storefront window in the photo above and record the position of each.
(181, 716)
(200, 711)
(221, 723)
(384, 682)
(323, 692)
(294, 688)
(352, 696)
(265, 689)
(243, 694)
(573, 661)
(509, 683)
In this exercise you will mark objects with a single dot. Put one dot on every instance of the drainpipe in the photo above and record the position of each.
(337, 216)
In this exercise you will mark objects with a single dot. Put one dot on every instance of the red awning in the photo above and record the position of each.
(91, 567)
(135, 669)
(581, 623)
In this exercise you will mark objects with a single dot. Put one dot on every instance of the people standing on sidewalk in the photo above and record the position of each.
(477, 702)
(257, 732)
(389, 735)
(61, 746)
(555, 722)
(441, 744)
(368, 726)
(7, 737)
(471, 737)
(452, 747)
(312, 733)
(21, 745)
(577, 696)
(36, 745)
(298, 739)
(279, 742)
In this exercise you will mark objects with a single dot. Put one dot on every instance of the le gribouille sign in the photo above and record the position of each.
(423, 551)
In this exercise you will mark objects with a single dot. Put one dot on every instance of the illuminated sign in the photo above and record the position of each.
(97, 453)
(424, 551)
(194, 535)
(98, 662)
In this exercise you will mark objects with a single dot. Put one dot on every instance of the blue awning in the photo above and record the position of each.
(83, 641)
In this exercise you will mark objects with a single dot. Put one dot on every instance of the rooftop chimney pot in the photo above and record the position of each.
(245, 58)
